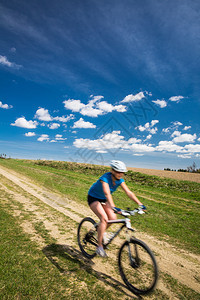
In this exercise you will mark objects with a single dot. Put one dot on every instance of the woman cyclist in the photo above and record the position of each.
(101, 202)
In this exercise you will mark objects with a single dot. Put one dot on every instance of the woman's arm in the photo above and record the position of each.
(106, 190)
(130, 194)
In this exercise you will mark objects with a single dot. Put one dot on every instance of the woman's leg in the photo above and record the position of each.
(109, 212)
(98, 209)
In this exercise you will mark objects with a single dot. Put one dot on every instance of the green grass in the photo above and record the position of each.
(173, 206)
(54, 271)
(179, 290)
(29, 271)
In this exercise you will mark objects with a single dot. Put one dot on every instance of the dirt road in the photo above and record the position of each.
(181, 265)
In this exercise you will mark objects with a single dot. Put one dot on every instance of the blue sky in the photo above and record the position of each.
(91, 81)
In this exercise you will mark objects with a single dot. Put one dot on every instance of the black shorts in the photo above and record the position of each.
(93, 199)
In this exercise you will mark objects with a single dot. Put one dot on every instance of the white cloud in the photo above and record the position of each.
(176, 98)
(73, 105)
(120, 108)
(43, 137)
(5, 62)
(113, 140)
(96, 98)
(42, 114)
(177, 123)
(133, 141)
(93, 108)
(161, 103)
(30, 134)
(101, 151)
(141, 148)
(86, 110)
(184, 156)
(154, 122)
(5, 106)
(107, 107)
(168, 146)
(133, 98)
(187, 128)
(90, 111)
(174, 126)
(153, 130)
(198, 140)
(59, 137)
(166, 130)
(181, 138)
(22, 122)
(149, 127)
(143, 128)
(149, 137)
(64, 119)
(54, 126)
(176, 133)
(82, 124)
(192, 148)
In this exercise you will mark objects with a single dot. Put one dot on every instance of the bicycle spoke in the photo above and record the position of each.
(137, 267)
(87, 237)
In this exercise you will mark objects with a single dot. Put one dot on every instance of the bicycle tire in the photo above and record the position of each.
(138, 267)
(87, 237)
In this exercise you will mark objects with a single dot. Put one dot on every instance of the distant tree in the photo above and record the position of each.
(3, 156)
(192, 169)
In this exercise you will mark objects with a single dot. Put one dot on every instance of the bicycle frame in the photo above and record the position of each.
(134, 256)
(126, 223)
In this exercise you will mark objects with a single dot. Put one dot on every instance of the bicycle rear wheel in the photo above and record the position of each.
(138, 267)
(87, 237)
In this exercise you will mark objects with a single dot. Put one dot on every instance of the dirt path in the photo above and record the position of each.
(181, 265)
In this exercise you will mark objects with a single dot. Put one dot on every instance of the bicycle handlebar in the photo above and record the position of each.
(127, 213)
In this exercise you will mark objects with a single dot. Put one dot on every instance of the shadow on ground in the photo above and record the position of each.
(71, 255)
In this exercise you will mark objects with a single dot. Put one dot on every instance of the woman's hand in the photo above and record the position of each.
(117, 210)
(143, 207)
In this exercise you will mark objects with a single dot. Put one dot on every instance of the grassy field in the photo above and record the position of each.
(58, 271)
(25, 271)
(173, 206)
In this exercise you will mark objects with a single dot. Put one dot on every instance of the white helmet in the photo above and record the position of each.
(118, 166)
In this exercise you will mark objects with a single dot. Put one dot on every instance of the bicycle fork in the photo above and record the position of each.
(133, 256)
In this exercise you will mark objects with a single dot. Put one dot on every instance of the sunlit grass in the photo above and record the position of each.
(171, 214)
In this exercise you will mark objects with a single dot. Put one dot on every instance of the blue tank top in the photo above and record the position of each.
(96, 189)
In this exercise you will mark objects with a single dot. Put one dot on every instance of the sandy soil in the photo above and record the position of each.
(169, 174)
(180, 264)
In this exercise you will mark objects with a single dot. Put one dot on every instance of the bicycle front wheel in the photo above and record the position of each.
(87, 237)
(138, 267)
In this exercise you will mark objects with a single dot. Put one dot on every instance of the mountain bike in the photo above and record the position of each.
(136, 262)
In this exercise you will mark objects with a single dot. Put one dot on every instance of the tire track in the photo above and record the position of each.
(180, 264)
